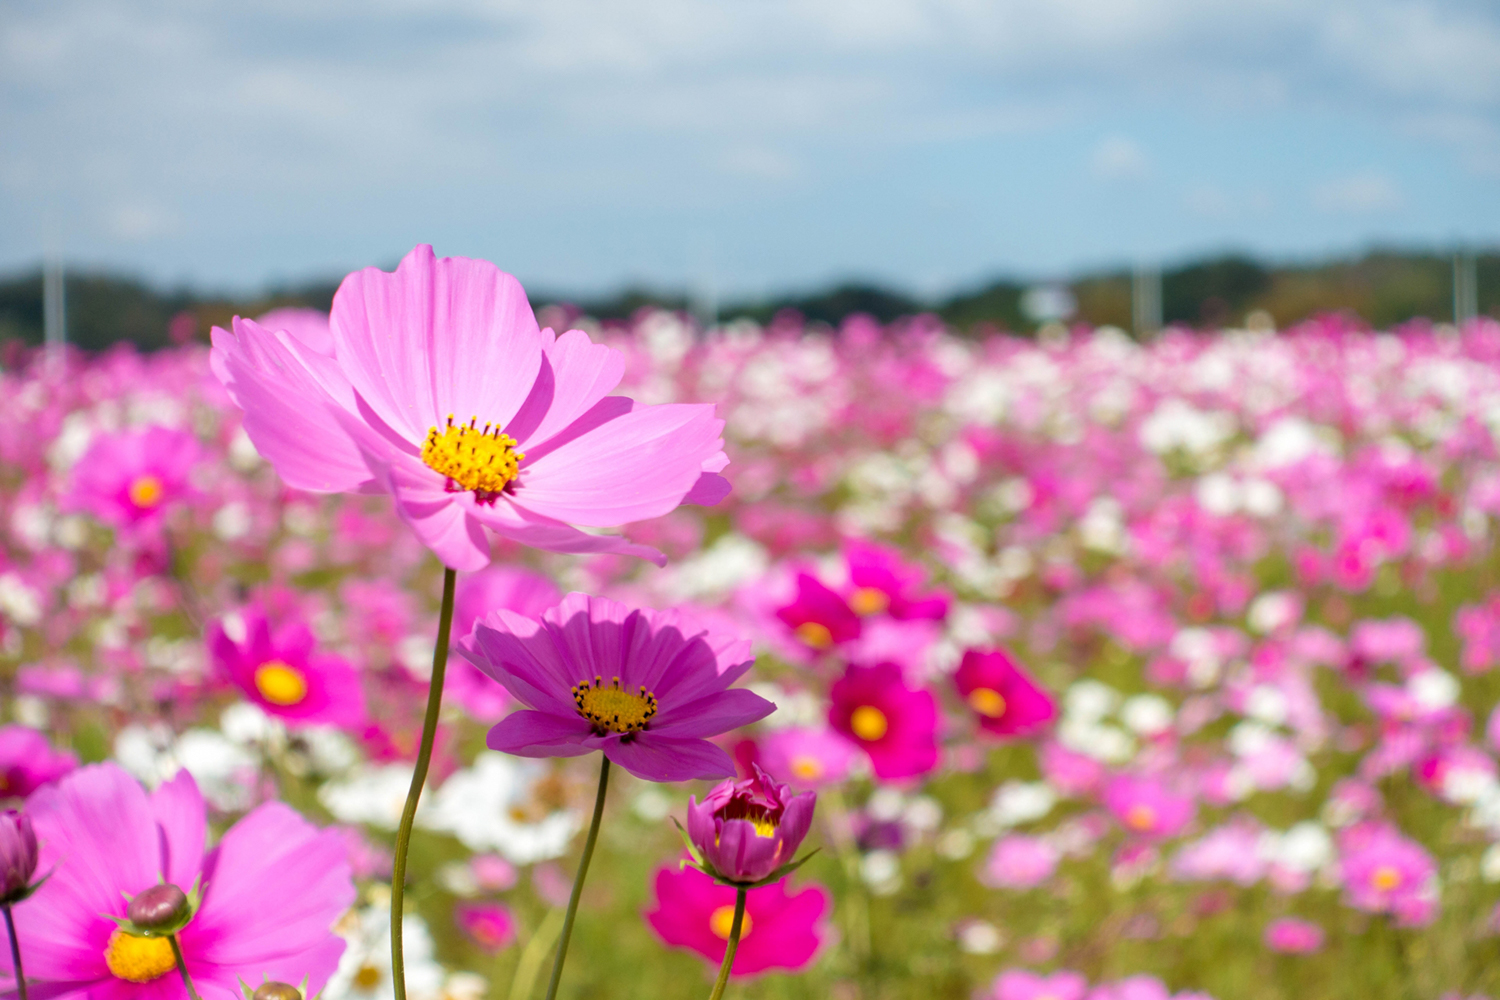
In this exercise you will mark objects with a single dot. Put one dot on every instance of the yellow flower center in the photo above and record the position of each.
(612, 709)
(367, 978)
(1385, 878)
(815, 635)
(479, 459)
(1140, 817)
(869, 601)
(807, 768)
(869, 723)
(138, 959)
(146, 491)
(722, 923)
(279, 683)
(987, 702)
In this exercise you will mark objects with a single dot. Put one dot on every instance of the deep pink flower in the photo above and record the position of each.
(1007, 701)
(881, 581)
(894, 724)
(283, 672)
(643, 686)
(819, 616)
(745, 830)
(493, 587)
(128, 479)
(806, 758)
(490, 925)
(443, 392)
(272, 888)
(1020, 862)
(1293, 937)
(27, 761)
(1146, 806)
(1019, 984)
(780, 930)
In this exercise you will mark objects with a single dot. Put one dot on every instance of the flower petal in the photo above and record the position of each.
(178, 807)
(662, 758)
(576, 373)
(712, 714)
(540, 734)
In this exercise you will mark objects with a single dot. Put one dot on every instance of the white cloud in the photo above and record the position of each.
(1358, 194)
(1118, 158)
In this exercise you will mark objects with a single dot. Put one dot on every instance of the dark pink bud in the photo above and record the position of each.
(276, 991)
(159, 908)
(745, 830)
(17, 854)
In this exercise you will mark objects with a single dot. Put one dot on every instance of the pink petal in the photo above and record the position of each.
(555, 536)
(179, 811)
(576, 373)
(661, 758)
(539, 734)
(709, 716)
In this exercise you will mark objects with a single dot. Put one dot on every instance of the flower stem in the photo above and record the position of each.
(532, 955)
(731, 946)
(583, 870)
(15, 952)
(418, 779)
(182, 966)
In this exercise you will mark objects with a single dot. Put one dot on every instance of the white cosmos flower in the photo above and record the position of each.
(364, 971)
(507, 805)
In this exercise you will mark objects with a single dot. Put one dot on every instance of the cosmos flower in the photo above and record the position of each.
(818, 616)
(894, 724)
(128, 480)
(1019, 984)
(1384, 872)
(807, 758)
(642, 686)
(283, 672)
(105, 839)
(27, 761)
(1291, 936)
(1007, 701)
(780, 930)
(1147, 807)
(442, 391)
(1020, 862)
(880, 581)
(489, 925)
(745, 830)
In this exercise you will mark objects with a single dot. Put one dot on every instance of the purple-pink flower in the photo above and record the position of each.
(643, 686)
(745, 830)
(28, 761)
(271, 890)
(1293, 937)
(1384, 872)
(807, 757)
(1006, 700)
(881, 581)
(894, 724)
(1020, 862)
(489, 925)
(1148, 806)
(1020, 984)
(283, 672)
(442, 391)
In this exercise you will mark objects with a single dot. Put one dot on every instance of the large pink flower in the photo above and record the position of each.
(643, 686)
(442, 391)
(780, 930)
(272, 889)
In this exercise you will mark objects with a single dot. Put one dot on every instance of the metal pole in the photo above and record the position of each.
(1465, 287)
(54, 305)
(1145, 301)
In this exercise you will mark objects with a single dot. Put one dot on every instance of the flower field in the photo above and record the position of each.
(1119, 671)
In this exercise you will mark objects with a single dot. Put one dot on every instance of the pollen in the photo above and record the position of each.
(611, 708)
(869, 601)
(138, 959)
(473, 458)
(815, 635)
(869, 723)
(721, 922)
(146, 491)
(987, 702)
(280, 683)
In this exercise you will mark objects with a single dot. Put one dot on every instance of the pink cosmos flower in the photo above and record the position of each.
(1291, 936)
(27, 761)
(128, 479)
(1006, 699)
(272, 888)
(807, 758)
(1384, 872)
(780, 929)
(643, 686)
(894, 724)
(745, 830)
(490, 925)
(1146, 806)
(880, 581)
(518, 590)
(818, 616)
(1019, 984)
(442, 391)
(1131, 988)
(283, 672)
(310, 327)
(1020, 862)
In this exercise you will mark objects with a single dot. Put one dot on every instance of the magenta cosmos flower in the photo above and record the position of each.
(1291, 936)
(128, 479)
(442, 391)
(489, 925)
(271, 889)
(1147, 806)
(1019, 984)
(1004, 697)
(881, 581)
(806, 757)
(818, 616)
(283, 672)
(894, 724)
(643, 686)
(780, 929)
(28, 761)
(745, 830)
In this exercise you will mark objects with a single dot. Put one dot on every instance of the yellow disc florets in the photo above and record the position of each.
(280, 683)
(611, 708)
(482, 460)
(138, 959)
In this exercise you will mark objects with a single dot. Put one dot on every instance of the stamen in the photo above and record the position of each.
(146, 491)
(279, 683)
(721, 922)
(1140, 817)
(138, 959)
(481, 460)
(987, 702)
(869, 723)
(869, 601)
(613, 709)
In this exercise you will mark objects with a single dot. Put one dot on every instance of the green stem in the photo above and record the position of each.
(15, 952)
(418, 779)
(731, 946)
(531, 956)
(182, 966)
(583, 870)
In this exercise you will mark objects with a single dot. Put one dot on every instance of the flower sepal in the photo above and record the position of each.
(25, 892)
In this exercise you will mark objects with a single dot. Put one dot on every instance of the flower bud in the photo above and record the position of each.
(161, 908)
(17, 855)
(745, 830)
(276, 991)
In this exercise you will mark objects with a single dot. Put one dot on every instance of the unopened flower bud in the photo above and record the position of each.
(276, 991)
(17, 855)
(161, 908)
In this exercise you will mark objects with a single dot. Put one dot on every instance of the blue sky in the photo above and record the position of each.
(747, 145)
